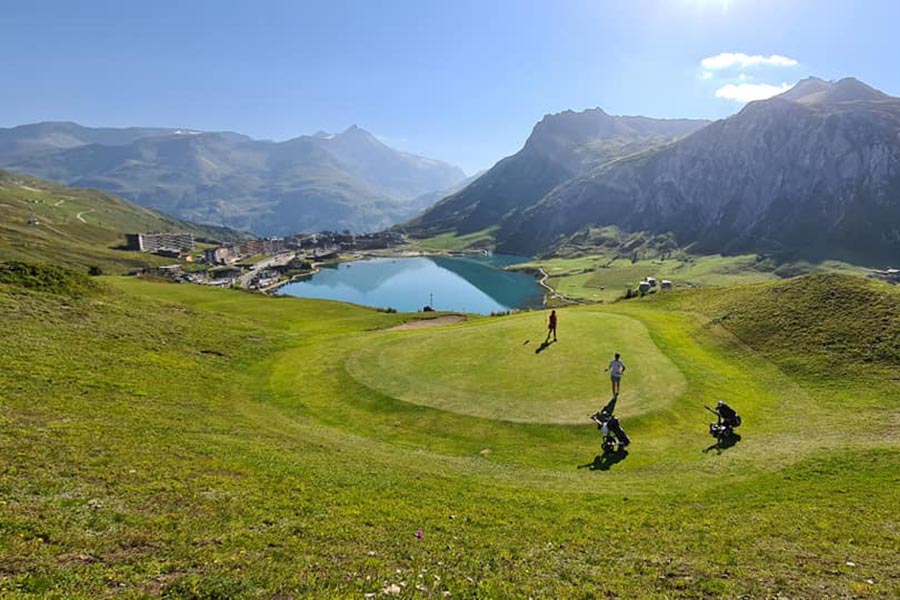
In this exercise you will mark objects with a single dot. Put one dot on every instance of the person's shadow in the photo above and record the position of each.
(611, 405)
(723, 444)
(544, 345)
(605, 461)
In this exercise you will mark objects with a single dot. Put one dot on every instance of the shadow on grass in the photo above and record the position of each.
(724, 444)
(544, 345)
(605, 461)
(611, 405)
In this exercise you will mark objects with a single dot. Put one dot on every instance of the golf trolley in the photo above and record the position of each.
(726, 421)
(614, 438)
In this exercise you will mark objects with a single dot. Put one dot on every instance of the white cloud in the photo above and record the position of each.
(706, 75)
(728, 60)
(747, 92)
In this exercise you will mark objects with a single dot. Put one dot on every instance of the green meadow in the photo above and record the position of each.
(451, 242)
(606, 277)
(184, 442)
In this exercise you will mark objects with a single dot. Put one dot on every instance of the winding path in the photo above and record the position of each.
(84, 212)
(553, 293)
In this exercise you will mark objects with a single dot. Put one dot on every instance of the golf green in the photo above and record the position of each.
(500, 369)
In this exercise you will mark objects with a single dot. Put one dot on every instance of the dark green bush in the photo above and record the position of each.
(46, 278)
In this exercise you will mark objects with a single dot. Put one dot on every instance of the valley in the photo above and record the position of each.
(619, 356)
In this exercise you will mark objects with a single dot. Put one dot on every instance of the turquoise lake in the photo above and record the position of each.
(476, 285)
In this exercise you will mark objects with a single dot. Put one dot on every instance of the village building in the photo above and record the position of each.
(166, 244)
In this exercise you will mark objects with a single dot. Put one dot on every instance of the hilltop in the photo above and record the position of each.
(832, 322)
(45, 222)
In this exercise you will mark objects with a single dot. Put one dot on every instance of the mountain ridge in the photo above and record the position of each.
(561, 146)
(349, 180)
(780, 175)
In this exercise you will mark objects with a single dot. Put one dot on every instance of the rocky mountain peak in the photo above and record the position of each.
(813, 91)
(355, 131)
(570, 127)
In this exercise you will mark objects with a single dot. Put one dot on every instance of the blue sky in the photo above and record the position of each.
(463, 81)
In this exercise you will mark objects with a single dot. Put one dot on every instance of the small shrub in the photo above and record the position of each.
(46, 278)
(206, 587)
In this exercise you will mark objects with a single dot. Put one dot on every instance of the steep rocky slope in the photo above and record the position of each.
(561, 146)
(816, 169)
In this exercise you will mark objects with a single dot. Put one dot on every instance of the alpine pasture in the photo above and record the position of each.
(185, 442)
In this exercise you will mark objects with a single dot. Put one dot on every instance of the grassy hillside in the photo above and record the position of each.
(198, 443)
(827, 323)
(78, 228)
(453, 242)
(606, 276)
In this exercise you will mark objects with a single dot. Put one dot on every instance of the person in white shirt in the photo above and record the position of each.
(616, 369)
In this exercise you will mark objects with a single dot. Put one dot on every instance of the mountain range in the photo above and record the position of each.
(815, 170)
(350, 180)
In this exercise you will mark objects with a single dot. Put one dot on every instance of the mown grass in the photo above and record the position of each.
(507, 370)
(196, 443)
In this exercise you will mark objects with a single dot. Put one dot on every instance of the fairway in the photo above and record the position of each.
(498, 368)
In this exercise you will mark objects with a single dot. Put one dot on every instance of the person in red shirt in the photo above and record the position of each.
(551, 326)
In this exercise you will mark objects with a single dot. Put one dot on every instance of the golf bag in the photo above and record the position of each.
(613, 435)
(726, 421)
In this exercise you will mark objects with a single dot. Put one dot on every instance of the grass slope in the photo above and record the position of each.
(198, 443)
(77, 228)
(452, 242)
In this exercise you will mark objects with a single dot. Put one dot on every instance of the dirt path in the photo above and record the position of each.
(84, 212)
(423, 323)
(553, 293)
(59, 202)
